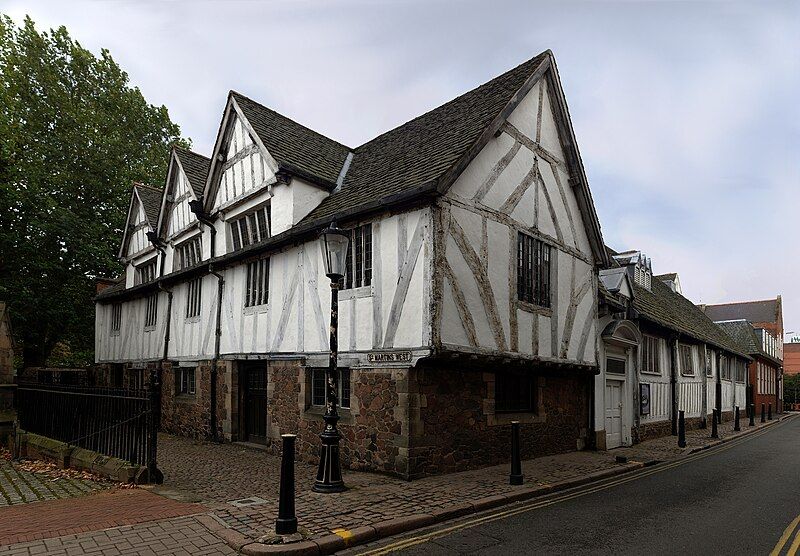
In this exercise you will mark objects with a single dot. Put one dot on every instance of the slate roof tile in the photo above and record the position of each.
(753, 311)
(151, 201)
(669, 309)
(196, 167)
(423, 149)
(292, 143)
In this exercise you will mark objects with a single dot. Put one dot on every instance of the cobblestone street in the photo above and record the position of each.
(18, 486)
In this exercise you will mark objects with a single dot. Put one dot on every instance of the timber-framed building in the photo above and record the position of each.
(471, 297)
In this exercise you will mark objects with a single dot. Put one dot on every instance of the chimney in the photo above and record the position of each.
(102, 283)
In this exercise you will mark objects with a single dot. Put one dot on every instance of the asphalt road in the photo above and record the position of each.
(739, 497)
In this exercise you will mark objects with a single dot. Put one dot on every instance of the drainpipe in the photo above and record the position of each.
(204, 218)
(718, 387)
(215, 361)
(673, 382)
(169, 319)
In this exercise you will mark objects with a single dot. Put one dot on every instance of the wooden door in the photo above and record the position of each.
(613, 414)
(255, 403)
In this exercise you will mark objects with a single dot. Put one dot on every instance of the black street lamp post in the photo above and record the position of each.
(329, 474)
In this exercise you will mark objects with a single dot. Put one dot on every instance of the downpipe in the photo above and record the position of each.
(215, 361)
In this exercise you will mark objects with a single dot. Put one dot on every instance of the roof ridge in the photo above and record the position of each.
(741, 302)
(245, 97)
(147, 186)
(190, 151)
(452, 100)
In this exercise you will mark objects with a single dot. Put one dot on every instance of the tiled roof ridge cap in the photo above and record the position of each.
(147, 186)
(741, 302)
(190, 151)
(235, 93)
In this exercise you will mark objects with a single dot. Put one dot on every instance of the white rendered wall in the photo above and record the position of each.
(518, 182)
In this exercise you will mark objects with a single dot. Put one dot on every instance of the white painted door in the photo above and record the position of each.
(613, 414)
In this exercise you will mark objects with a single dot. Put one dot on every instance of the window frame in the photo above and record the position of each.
(116, 318)
(188, 253)
(317, 374)
(534, 271)
(185, 381)
(242, 226)
(194, 297)
(256, 291)
(146, 272)
(515, 383)
(151, 311)
(686, 353)
(645, 367)
(360, 253)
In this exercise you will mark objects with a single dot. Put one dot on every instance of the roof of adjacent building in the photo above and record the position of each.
(753, 311)
(745, 335)
(293, 145)
(422, 150)
(151, 201)
(667, 276)
(196, 167)
(666, 308)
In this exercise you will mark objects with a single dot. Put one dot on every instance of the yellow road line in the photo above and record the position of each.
(787, 533)
(795, 545)
(535, 505)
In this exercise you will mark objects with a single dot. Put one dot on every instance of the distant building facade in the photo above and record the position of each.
(791, 358)
(766, 317)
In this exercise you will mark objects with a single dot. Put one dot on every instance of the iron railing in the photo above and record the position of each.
(117, 422)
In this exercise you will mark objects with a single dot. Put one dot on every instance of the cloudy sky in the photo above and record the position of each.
(686, 113)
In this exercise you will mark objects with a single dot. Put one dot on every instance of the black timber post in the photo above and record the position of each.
(286, 524)
(681, 430)
(674, 385)
(154, 475)
(516, 477)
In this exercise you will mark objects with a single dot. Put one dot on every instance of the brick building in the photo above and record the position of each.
(791, 358)
(470, 298)
(766, 317)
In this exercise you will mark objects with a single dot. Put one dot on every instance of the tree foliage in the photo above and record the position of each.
(74, 135)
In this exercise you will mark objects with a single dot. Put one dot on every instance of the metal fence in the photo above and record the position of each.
(118, 422)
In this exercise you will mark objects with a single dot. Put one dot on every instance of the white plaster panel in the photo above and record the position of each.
(526, 113)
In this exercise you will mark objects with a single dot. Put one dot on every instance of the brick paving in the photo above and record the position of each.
(18, 486)
(219, 474)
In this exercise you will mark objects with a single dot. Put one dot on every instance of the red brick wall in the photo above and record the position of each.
(791, 359)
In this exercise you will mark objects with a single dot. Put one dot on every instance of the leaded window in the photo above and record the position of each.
(151, 310)
(193, 297)
(533, 270)
(189, 253)
(687, 361)
(257, 292)
(116, 317)
(251, 228)
(318, 387)
(146, 272)
(651, 355)
(185, 381)
(359, 257)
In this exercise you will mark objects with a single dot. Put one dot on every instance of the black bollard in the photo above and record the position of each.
(681, 430)
(752, 422)
(763, 410)
(286, 524)
(769, 413)
(736, 426)
(714, 433)
(516, 477)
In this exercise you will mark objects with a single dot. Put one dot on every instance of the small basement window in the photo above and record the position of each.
(185, 381)
(318, 387)
(514, 393)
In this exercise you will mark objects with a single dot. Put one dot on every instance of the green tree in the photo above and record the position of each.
(74, 135)
(791, 389)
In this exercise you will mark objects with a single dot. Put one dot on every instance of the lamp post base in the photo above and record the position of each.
(329, 473)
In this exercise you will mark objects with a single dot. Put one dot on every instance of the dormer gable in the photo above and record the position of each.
(186, 177)
(261, 157)
(142, 218)
(639, 267)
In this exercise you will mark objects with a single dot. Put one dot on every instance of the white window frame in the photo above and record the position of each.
(116, 318)
(151, 311)
(361, 256)
(256, 292)
(185, 381)
(194, 297)
(687, 367)
(143, 274)
(189, 252)
(345, 383)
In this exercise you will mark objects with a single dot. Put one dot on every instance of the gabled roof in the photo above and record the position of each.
(745, 335)
(292, 145)
(195, 166)
(668, 276)
(151, 201)
(423, 149)
(753, 311)
(666, 308)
